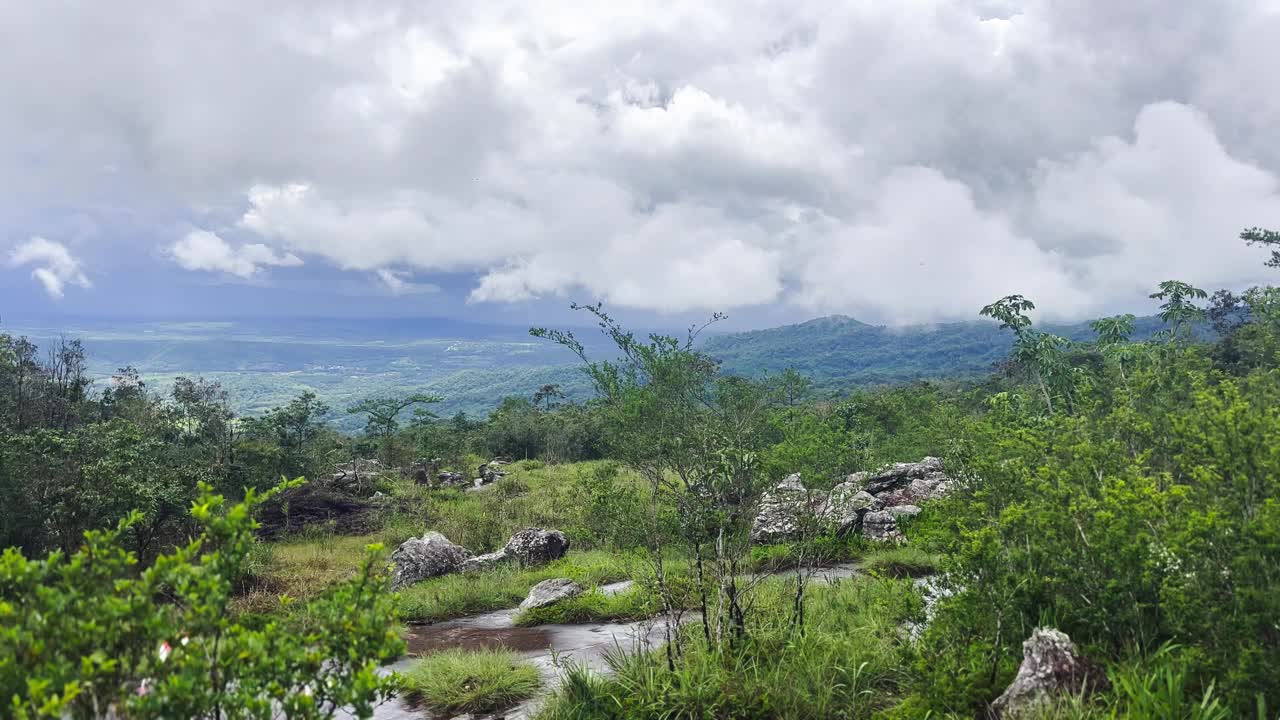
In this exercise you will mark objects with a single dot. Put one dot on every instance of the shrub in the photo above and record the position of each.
(88, 633)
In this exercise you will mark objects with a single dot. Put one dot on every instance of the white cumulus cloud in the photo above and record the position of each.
(55, 267)
(204, 250)
(907, 160)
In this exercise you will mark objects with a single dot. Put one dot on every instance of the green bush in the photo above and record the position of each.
(87, 632)
(1151, 520)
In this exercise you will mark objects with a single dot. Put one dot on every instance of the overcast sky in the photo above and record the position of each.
(895, 160)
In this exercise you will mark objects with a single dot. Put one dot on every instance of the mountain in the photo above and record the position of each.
(264, 363)
(839, 352)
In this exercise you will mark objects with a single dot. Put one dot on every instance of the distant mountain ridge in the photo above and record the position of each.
(262, 364)
(839, 352)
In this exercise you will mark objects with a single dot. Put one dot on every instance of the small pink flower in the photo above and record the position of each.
(164, 651)
(144, 687)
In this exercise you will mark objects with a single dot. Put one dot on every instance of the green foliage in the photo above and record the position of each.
(382, 418)
(1266, 238)
(453, 596)
(475, 681)
(87, 632)
(901, 561)
(1149, 516)
(612, 509)
(1160, 687)
(843, 665)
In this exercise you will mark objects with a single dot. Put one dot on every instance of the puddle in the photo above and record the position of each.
(428, 639)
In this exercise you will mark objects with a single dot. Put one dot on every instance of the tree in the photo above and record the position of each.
(383, 413)
(547, 397)
(1113, 330)
(1178, 308)
(1011, 311)
(695, 437)
(1113, 340)
(290, 432)
(1041, 353)
(1266, 238)
(794, 387)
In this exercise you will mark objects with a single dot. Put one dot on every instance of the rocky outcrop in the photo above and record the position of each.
(1051, 666)
(782, 511)
(870, 503)
(881, 526)
(909, 483)
(491, 471)
(530, 547)
(429, 556)
(847, 504)
(424, 472)
(550, 592)
(485, 561)
(451, 479)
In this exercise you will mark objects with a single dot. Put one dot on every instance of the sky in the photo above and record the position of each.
(899, 161)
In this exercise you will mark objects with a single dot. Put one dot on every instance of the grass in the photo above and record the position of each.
(900, 561)
(847, 663)
(304, 567)
(636, 603)
(453, 596)
(532, 495)
(476, 681)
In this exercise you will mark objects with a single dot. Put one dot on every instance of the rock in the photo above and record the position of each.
(1051, 666)
(847, 508)
(490, 472)
(429, 556)
(529, 547)
(909, 483)
(534, 546)
(550, 592)
(451, 479)
(783, 509)
(485, 561)
(881, 526)
(423, 471)
(846, 505)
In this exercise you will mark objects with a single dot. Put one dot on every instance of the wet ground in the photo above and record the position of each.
(585, 644)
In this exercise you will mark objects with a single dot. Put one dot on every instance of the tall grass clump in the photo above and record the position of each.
(471, 681)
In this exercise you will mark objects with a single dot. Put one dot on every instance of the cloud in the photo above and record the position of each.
(684, 156)
(204, 250)
(55, 266)
(397, 283)
(1169, 203)
(925, 251)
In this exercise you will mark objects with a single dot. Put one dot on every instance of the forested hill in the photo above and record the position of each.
(263, 364)
(838, 352)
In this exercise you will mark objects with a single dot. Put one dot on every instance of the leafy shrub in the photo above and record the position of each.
(85, 633)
